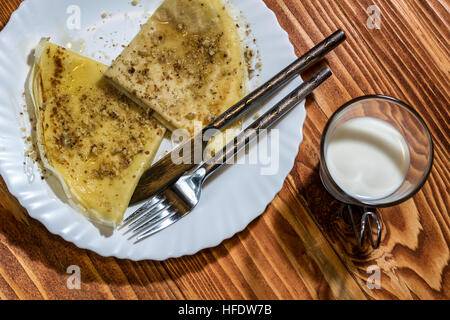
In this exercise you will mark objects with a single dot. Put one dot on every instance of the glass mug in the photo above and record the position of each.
(418, 139)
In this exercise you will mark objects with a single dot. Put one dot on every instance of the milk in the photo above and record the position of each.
(368, 158)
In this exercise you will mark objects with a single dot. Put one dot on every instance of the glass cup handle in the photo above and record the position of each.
(366, 227)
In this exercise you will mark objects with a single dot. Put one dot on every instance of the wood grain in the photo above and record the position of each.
(303, 246)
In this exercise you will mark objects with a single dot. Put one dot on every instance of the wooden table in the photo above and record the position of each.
(301, 247)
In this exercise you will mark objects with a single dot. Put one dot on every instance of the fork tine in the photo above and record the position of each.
(167, 213)
(148, 215)
(144, 208)
(165, 223)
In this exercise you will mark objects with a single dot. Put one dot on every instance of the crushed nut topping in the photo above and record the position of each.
(80, 132)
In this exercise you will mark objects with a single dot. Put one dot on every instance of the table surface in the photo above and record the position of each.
(302, 247)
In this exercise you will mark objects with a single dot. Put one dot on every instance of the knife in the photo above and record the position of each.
(165, 172)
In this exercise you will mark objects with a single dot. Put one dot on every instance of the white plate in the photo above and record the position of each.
(229, 202)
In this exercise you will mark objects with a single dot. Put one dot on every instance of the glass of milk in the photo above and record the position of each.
(376, 151)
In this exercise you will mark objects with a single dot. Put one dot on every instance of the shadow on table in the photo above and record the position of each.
(311, 199)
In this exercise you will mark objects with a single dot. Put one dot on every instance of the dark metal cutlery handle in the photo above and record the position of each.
(267, 120)
(165, 172)
(273, 85)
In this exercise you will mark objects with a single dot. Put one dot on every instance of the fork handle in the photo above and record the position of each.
(266, 121)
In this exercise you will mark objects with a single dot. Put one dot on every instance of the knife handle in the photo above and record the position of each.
(266, 121)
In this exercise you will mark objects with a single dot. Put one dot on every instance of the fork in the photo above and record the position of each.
(178, 200)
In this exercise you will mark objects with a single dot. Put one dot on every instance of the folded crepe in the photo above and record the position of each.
(186, 64)
(96, 141)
